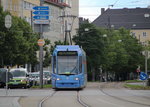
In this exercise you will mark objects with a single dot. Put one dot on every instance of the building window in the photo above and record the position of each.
(144, 34)
(70, 3)
(24, 5)
(10, 4)
(133, 34)
(61, 1)
(67, 2)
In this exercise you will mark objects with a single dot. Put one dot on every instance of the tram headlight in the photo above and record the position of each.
(76, 78)
(58, 79)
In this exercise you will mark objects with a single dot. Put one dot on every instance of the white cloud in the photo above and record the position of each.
(90, 13)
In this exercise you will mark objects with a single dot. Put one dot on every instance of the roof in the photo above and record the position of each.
(134, 18)
(67, 47)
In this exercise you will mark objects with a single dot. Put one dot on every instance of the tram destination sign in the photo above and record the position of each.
(67, 53)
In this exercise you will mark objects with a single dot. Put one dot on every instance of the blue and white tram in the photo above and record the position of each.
(69, 68)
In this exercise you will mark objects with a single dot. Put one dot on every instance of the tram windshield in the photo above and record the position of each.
(68, 64)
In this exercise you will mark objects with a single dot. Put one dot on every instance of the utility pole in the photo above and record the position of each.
(146, 57)
(68, 31)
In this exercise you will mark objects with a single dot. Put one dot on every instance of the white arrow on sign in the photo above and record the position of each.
(8, 21)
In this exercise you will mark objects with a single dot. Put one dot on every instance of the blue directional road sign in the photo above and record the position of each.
(41, 17)
(41, 8)
(41, 12)
(143, 76)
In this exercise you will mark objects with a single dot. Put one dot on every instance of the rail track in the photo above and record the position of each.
(101, 88)
(45, 98)
(78, 98)
(80, 101)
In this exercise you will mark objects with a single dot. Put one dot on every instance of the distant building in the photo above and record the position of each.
(62, 13)
(83, 20)
(135, 19)
(13, 6)
(27, 8)
(20, 8)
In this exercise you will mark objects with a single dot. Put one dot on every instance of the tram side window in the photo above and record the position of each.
(80, 64)
(54, 64)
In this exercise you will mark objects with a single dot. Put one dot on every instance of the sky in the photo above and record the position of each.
(91, 9)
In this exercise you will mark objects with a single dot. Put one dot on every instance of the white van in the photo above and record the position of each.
(20, 78)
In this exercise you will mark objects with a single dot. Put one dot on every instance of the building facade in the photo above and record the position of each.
(27, 8)
(13, 6)
(20, 8)
(61, 12)
(137, 20)
(63, 16)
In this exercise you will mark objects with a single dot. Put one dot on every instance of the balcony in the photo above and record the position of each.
(57, 3)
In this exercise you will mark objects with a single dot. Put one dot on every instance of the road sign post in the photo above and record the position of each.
(41, 42)
(143, 76)
(41, 16)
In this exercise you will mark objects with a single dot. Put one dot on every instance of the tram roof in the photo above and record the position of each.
(67, 47)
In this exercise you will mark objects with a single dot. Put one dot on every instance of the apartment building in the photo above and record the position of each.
(20, 8)
(27, 7)
(13, 6)
(137, 20)
(62, 11)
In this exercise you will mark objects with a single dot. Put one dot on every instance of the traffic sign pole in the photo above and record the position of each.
(41, 16)
(41, 58)
(41, 53)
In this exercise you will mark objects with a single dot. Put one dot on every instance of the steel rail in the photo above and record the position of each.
(45, 98)
(80, 101)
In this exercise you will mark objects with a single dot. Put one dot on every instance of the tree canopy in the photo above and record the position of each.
(112, 50)
(18, 44)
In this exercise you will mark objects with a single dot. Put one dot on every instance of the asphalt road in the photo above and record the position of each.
(94, 95)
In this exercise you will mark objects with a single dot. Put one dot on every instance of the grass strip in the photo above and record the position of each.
(44, 86)
(136, 87)
(131, 81)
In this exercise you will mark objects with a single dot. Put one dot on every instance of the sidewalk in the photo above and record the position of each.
(9, 102)
(22, 97)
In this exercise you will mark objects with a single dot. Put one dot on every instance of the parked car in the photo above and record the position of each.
(3, 76)
(20, 78)
(47, 77)
(35, 78)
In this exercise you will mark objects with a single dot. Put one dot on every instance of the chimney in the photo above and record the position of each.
(102, 10)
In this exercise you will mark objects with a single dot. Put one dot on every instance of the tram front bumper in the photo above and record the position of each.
(67, 84)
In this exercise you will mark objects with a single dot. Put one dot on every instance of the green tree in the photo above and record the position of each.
(91, 42)
(19, 43)
(54, 45)
(119, 53)
(47, 57)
